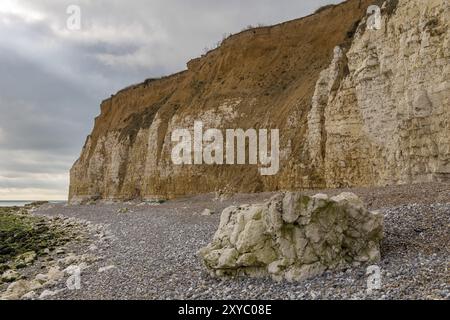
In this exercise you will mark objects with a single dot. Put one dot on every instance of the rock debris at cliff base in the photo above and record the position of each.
(40, 253)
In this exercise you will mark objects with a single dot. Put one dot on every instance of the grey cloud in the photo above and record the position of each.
(25, 182)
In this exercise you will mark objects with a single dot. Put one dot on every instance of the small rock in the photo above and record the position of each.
(30, 296)
(19, 288)
(25, 259)
(10, 276)
(60, 251)
(54, 274)
(207, 212)
(108, 268)
(123, 210)
(49, 293)
(42, 278)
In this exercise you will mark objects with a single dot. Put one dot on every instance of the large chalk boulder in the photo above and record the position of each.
(294, 237)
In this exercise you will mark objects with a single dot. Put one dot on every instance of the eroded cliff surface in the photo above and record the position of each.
(354, 107)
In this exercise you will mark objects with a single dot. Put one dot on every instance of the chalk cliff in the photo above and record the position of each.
(355, 107)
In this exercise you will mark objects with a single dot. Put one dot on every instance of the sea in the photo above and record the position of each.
(13, 203)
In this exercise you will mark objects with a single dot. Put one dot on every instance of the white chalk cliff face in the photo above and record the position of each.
(381, 111)
(354, 107)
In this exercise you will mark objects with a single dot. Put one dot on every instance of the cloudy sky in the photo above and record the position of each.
(52, 79)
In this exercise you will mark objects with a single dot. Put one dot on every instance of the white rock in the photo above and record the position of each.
(30, 296)
(107, 268)
(294, 237)
(350, 198)
(48, 293)
(42, 278)
(207, 212)
(321, 196)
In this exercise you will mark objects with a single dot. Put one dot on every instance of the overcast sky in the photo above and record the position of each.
(52, 79)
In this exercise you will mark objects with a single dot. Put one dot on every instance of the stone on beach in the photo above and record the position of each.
(10, 275)
(294, 237)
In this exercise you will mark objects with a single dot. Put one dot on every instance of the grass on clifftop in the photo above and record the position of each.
(21, 233)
